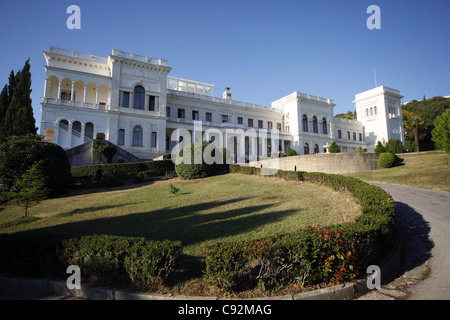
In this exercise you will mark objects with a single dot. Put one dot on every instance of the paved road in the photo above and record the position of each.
(425, 219)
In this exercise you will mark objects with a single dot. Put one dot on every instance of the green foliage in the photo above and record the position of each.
(380, 148)
(386, 160)
(190, 162)
(441, 131)
(30, 189)
(311, 255)
(18, 154)
(117, 173)
(16, 105)
(103, 151)
(173, 189)
(290, 152)
(349, 115)
(334, 148)
(394, 146)
(103, 259)
(428, 110)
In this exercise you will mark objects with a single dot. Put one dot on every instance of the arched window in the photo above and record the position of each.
(305, 123)
(139, 97)
(137, 136)
(324, 126)
(315, 127)
(375, 110)
(306, 148)
(316, 148)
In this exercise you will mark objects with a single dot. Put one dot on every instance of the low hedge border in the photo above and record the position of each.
(103, 259)
(118, 173)
(321, 254)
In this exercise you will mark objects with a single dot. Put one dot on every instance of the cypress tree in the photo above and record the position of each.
(3, 107)
(19, 115)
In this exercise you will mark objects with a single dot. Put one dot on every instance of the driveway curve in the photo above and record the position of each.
(423, 218)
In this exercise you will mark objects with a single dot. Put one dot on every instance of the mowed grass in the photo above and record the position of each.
(227, 207)
(428, 170)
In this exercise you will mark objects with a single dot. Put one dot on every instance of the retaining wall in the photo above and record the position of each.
(335, 163)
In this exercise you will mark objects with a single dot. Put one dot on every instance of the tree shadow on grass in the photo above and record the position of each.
(188, 224)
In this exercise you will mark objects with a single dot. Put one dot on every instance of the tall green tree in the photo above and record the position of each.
(441, 131)
(412, 122)
(4, 103)
(19, 115)
(428, 110)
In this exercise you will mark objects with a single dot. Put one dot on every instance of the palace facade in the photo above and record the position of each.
(131, 101)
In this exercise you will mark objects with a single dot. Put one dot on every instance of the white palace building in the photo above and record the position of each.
(131, 101)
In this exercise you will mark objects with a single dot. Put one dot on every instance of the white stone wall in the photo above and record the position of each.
(84, 91)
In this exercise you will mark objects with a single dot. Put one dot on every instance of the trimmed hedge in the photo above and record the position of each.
(194, 166)
(329, 254)
(103, 259)
(118, 173)
(386, 160)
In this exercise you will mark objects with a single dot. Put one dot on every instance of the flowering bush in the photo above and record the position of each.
(320, 254)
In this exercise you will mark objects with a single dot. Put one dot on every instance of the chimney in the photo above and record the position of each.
(227, 93)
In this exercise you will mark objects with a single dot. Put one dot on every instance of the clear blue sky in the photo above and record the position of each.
(263, 50)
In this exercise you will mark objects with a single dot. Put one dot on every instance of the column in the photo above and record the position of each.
(96, 97)
(72, 92)
(84, 95)
(70, 135)
(45, 89)
(59, 91)
(83, 130)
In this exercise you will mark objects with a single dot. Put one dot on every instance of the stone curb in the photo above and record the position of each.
(347, 291)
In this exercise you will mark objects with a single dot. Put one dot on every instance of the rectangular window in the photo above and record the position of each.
(151, 103)
(195, 115)
(180, 113)
(339, 134)
(279, 126)
(348, 135)
(224, 118)
(124, 99)
(153, 139)
(269, 125)
(250, 123)
(209, 117)
(260, 124)
(354, 136)
(360, 137)
(168, 112)
(287, 128)
(121, 140)
(240, 120)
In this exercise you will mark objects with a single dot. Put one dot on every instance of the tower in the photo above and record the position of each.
(379, 110)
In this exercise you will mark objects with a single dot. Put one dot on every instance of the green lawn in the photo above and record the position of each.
(206, 210)
(429, 170)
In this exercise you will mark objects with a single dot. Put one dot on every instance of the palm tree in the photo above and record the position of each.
(412, 122)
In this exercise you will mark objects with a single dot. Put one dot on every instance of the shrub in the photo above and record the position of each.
(18, 154)
(290, 152)
(190, 163)
(103, 259)
(118, 173)
(380, 148)
(334, 148)
(386, 160)
(394, 146)
(329, 254)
